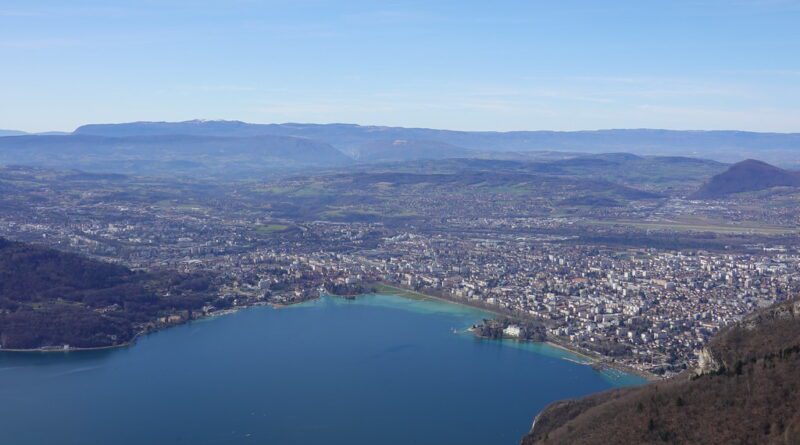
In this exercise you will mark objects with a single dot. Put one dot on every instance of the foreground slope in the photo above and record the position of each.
(747, 176)
(746, 390)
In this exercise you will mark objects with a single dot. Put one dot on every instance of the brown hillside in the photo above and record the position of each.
(746, 391)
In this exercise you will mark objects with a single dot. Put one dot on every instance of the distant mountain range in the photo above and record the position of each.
(171, 154)
(386, 150)
(11, 133)
(22, 133)
(726, 146)
(238, 149)
(747, 176)
(745, 390)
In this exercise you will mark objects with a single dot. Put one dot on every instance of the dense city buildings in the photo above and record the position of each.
(646, 295)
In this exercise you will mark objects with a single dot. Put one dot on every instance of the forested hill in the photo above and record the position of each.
(50, 298)
(747, 176)
(745, 390)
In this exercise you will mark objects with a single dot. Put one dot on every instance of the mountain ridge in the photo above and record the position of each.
(4, 133)
(722, 145)
(389, 150)
(170, 154)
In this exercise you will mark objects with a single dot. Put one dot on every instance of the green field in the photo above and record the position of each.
(385, 288)
(710, 226)
(271, 228)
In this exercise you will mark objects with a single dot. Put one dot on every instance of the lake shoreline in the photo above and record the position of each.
(275, 356)
(129, 343)
(592, 359)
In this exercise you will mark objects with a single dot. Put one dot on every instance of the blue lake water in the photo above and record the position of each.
(379, 370)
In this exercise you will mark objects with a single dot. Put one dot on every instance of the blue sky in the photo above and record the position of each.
(472, 65)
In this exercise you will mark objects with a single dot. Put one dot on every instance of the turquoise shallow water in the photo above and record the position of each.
(381, 369)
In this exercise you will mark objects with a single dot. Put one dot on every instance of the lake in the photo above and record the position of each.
(381, 369)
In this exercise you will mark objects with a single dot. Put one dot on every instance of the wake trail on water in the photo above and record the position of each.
(75, 371)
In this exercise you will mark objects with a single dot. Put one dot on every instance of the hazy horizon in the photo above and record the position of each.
(562, 66)
(478, 130)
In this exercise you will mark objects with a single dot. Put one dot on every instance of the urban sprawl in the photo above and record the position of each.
(645, 308)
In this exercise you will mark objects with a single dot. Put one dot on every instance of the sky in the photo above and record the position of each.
(461, 64)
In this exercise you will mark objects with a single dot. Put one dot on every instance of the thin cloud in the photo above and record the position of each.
(389, 17)
(20, 13)
(220, 88)
(34, 44)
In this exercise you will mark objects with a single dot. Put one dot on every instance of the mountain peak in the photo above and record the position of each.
(747, 176)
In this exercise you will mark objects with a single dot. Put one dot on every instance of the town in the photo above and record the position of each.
(645, 308)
